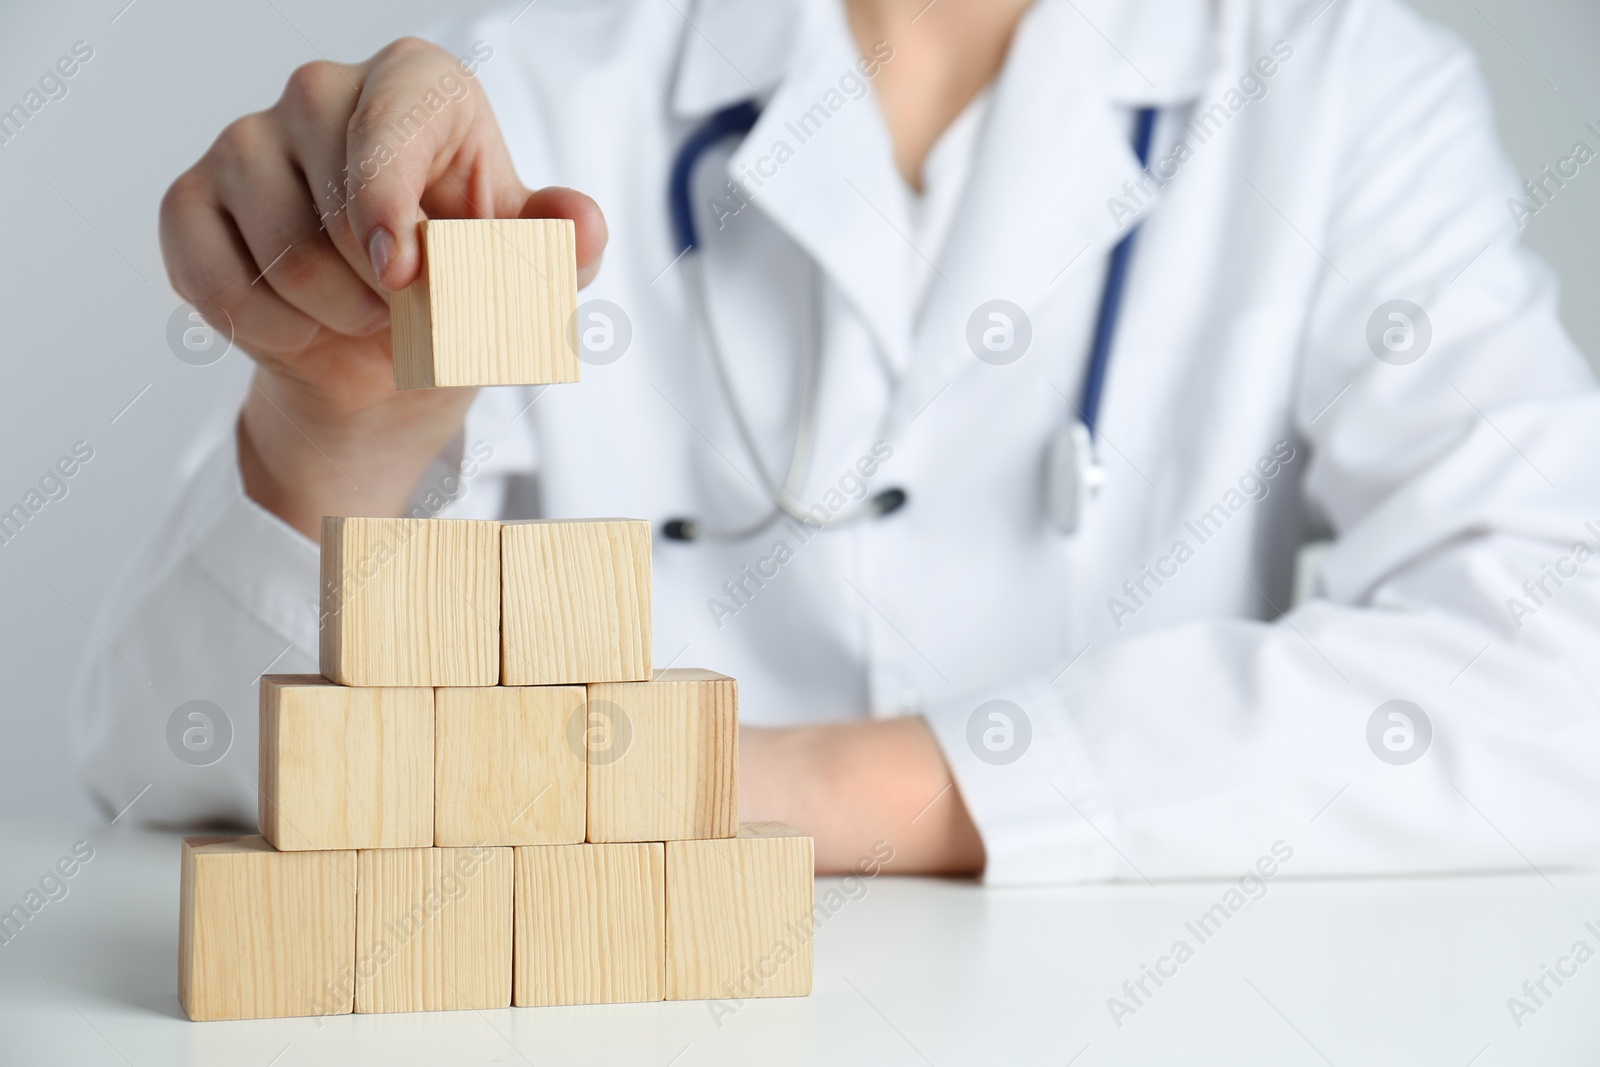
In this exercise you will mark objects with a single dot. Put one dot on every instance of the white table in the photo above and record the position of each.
(912, 971)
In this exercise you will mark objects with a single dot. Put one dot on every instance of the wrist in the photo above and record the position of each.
(855, 786)
(777, 774)
(301, 462)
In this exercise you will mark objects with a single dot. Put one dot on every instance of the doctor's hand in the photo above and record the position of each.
(877, 792)
(290, 232)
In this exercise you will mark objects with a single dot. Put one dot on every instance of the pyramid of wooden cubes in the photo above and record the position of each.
(488, 798)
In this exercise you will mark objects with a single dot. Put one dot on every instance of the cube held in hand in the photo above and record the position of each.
(496, 304)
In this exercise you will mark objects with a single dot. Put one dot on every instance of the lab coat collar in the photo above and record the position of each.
(1135, 52)
(1055, 147)
(789, 55)
(1036, 221)
(1138, 53)
(733, 50)
(820, 165)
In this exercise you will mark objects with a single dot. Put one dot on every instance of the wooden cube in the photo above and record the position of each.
(344, 767)
(433, 929)
(664, 757)
(591, 924)
(576, 602)
(410, 601)
(506, 771)
(495, 304)
(739, 915)
(264, 934)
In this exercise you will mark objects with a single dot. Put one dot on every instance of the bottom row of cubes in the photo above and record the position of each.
(270, 934)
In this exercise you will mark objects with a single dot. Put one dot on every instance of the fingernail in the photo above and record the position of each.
(380, 249)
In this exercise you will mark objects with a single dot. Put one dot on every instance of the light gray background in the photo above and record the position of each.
(84, 299)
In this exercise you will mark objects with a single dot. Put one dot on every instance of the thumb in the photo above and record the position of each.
(589, 224)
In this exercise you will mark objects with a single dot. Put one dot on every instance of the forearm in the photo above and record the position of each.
(216, 593)
(851, 785)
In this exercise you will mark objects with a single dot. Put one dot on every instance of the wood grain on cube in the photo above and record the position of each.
(345, 767)
(591, 924)
(739, 915)
(495, 304)
(576, 602)
(410, 601)
(664, 757)
(506, 771)
(433, 929)
(264, 934)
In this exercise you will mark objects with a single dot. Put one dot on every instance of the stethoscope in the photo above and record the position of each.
(1074, 474)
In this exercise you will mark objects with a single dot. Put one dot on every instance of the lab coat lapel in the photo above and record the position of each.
(1036, 219)
(820, 165)
(733, 50)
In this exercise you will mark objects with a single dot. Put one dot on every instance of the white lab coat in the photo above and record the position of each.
(1177, 729)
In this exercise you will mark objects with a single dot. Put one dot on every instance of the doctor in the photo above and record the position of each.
(913, 318)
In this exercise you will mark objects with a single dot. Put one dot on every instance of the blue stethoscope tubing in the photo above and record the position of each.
(1105, 323)
(736, 121)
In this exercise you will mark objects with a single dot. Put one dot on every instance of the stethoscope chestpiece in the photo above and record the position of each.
(889, 501)
(680, 530)
(883, 504)
(1075, 476)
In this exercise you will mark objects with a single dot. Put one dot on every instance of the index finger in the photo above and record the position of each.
(416, 115)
